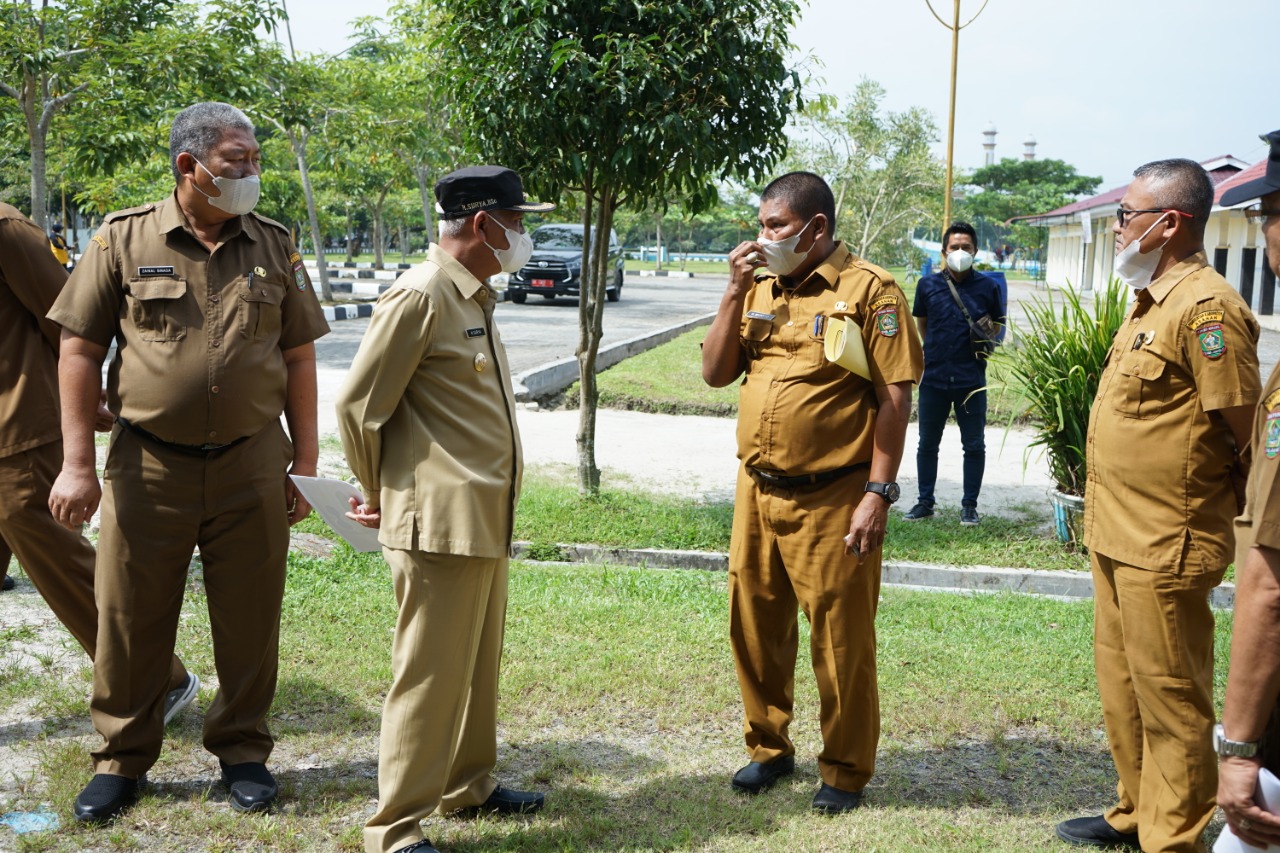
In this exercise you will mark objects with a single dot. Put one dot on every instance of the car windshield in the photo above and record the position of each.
(553, 237)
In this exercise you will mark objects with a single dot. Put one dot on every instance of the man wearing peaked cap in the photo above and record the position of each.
(428, 424)
(1246, 740)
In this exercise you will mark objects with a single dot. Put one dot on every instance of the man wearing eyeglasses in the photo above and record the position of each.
(1165, 472)
(1254, 680)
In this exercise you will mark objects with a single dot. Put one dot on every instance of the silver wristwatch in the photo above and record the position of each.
(1232, 748)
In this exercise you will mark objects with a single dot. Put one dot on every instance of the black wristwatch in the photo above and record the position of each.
(1232, 748)
(888, 491)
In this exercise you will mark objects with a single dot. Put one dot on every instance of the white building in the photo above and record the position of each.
(1234, 244)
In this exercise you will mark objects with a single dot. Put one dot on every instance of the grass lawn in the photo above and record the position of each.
(620, 701)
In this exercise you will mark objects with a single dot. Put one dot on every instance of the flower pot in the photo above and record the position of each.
(1068, 517)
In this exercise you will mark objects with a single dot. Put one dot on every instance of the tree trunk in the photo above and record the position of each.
(36, 134)
(428, 206)
(588, 346)
(322, 266)
(379, 237)
(657, 239)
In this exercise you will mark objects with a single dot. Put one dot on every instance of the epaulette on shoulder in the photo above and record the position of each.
(879, 272)
(131, 211)
(266, 220)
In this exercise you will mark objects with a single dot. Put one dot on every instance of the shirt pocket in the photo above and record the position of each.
(259, 304)
(755, 334)
(155, 308)
(1144, 385)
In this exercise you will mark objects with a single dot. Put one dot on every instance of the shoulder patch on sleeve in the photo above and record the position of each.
(101, 241)
(885, 311)
(294, 258)
(1208, 329)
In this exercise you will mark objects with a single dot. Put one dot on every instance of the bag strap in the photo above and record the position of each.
(973, 327)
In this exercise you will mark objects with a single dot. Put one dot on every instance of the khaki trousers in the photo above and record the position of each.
(1153, 649)
(788, 547)
(59, 562)
(439, 740)
(158, 504)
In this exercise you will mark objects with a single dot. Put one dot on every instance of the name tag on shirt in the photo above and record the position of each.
(144, 272)
(475, 333)
(759, 315)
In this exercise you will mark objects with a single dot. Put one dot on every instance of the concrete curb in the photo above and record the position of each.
(1068, 585)
(559, 375)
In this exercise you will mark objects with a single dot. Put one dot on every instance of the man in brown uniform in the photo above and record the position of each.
(214, 320)
(429, 427)
(58, 561)
(1254, 681)
(1167, 436)
(820, 448)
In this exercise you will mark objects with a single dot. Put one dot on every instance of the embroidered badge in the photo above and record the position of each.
(300, 276)
(1213, 341)
(294, 258)
(885, 310)
(475, 333)
(146, 272)
(1273, 434)
(98, 238)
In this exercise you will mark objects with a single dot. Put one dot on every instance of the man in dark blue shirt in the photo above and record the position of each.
(954, 378)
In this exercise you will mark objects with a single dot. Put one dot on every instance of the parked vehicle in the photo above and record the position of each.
(555, 268)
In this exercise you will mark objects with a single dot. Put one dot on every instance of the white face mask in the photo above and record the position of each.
(958, 260)
(238, 195)
(518, 251)
(1134, 267)
(780, 256)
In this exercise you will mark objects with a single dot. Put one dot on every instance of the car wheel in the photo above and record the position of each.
(614, 293)
(519, 298)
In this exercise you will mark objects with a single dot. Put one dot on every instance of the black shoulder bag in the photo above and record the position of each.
(982, 332)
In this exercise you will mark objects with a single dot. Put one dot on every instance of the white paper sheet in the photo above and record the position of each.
(1268, 798)
(329, 498)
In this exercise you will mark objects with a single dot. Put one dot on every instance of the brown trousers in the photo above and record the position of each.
(1153, 649)
(158, 504)
(787, 548)
(58, 561)
(439, 740)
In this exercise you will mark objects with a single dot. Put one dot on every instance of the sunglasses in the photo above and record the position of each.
(1123, 214)
(1259, 212)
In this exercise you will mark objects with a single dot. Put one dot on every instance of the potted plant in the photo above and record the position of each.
(1054, 365)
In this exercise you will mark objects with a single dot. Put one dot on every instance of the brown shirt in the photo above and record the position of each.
(199, 333)
(1159, 462)
(1259, 524)
(427, 417)
(797, 412)
(30, 280)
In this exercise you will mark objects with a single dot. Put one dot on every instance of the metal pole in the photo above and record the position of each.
(951, 118)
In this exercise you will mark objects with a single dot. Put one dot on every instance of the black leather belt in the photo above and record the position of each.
(189, 449)
(781, 481)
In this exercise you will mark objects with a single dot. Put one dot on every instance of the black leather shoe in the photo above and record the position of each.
(1095, 832)
(253, 788)
(506, 801)
(7, 584)
(919, 511)
(761, 776)
(423, 846)
(831, 800)
(105, 797)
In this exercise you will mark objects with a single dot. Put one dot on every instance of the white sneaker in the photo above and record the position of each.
(177, 699)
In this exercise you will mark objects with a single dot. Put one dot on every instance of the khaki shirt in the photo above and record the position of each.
(427, 416)
(199, 334)
(1259, 524)
(30, 280)
(797, 412)
(1159, 464)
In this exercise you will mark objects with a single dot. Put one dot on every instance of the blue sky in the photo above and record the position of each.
(1104, 84)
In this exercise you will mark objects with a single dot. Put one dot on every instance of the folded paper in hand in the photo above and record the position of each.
(329, 498)
(1268, 799)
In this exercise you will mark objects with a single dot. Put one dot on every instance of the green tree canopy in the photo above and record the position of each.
(1013, 188)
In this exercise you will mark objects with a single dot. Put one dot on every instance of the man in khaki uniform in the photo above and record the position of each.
(820, 447)
(214, 320)
(428, 423)
(1166, 444)
(58, 561)
(1253, 685)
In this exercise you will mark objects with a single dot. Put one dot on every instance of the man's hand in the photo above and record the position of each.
(866, 528)
(1237, 780)
(75, 496)
(294, 503)
(744, 260)
(362, 514)
(103, 420)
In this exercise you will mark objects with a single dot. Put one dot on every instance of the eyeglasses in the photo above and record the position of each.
(1123, 214)
(1258, 212)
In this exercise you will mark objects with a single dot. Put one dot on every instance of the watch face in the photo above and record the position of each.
(891, 491)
